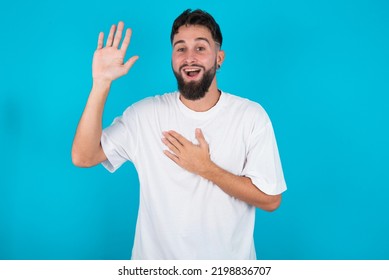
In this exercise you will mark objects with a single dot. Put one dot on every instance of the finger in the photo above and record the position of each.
(181, 139)
(130, 62)
(200, 137)
(118, 35)
(172, 143)
(171, 156)
(171, 146)
(174, 139)
(110, 36)
(126, 40)
(100, 40)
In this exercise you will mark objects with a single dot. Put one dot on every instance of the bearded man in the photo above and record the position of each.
(206, 159)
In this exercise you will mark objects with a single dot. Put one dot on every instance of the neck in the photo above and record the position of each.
(207, 102)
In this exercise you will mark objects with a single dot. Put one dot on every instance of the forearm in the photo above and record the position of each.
(86, 150)
(241, 188)
(196, 159)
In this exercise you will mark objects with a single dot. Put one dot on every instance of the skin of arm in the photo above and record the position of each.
(87, 150)
(196, 159)
(108, 65)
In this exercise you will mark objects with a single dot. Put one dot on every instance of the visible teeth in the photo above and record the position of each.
(191, 70)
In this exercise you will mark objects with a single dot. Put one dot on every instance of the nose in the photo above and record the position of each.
(190, 57)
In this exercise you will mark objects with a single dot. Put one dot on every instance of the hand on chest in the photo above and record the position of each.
(227, 145)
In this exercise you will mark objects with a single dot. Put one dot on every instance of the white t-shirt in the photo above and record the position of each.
(182, 215)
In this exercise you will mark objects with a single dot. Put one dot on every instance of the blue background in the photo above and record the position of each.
(320, 69)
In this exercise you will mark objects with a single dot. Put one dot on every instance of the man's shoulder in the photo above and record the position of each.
(151, 102)
(244, 105)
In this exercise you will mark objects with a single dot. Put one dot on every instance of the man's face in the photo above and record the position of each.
(194, 60)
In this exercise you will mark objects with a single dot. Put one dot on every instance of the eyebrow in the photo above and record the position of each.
(197, 39)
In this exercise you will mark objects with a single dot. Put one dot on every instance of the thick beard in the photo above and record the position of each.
(195, 90)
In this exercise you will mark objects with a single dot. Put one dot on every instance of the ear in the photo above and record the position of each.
(220, 57)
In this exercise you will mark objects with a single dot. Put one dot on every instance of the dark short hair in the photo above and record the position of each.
(197, 17)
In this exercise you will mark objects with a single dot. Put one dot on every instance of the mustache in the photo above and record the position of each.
(196, 65)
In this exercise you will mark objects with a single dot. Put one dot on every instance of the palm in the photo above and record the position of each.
(108, 61)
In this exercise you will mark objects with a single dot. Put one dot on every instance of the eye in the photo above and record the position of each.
(180, 49)
(200, 49)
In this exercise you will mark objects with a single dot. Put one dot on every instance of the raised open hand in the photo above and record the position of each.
(108, 62)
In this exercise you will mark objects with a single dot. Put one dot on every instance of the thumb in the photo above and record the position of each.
(200, 137)
(130, 62)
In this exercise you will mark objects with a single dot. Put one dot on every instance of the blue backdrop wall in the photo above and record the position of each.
(320, 69)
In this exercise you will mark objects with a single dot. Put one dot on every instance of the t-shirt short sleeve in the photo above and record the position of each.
(263, 164)
(119, 140)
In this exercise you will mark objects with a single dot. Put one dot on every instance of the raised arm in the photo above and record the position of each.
(108, 65)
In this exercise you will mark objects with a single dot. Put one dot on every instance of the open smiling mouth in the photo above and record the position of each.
(192, 72)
